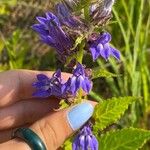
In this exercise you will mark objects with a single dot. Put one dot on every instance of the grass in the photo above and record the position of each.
(131, 34)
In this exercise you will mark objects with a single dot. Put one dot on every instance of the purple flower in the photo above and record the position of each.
(51, 33)
(79, 80)
(65, 16)
(101, 47)
(46, 87)
(85, 140)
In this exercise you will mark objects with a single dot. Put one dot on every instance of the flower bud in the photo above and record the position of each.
(101, 12)
(85, 140)
(71, 3)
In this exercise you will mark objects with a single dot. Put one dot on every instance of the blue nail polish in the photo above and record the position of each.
(79, 115)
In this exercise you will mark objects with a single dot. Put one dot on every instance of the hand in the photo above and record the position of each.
(19, 109)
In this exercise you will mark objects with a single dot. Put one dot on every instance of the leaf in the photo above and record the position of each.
(125, 139)
(63, 104)
(97, 73)
(95, 96)
(8, 2)
(109, 111)
(68, 144)
(80, 53)
(3, 10)
(78, 41)
(1, 44)
(82, 4)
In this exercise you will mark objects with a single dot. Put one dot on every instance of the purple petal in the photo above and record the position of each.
(73, 87)
(87, 85)
(40, 93)
(50, 16)
(94, 52)
(75, 144)
(56, 91)
(104, 38)
(105, 52)
(57, 74)
(64, 88)
(38, 85)
(40, 29)
(95, 143)
(79, 70)
(62, 11)
(65, 16)
(82, 141)
(89, 143)
(41, 77)
(42, 20)
(115, 53)
(79, 82)
(48, 40)
(93, 8)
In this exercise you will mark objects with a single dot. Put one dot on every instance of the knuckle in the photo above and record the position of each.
(48, 134)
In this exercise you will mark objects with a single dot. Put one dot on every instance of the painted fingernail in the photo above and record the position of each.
(79, 115)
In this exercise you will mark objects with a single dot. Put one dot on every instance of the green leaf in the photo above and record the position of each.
(8, 2)
(63, 104)
(68, 144)
(125, 139)
(109, 111)
(95, 96)
(78, 41)
(97, 73)
(80, 53)
(1, 44)
(82, 4)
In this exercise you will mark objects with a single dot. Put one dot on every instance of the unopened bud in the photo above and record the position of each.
(72, 3)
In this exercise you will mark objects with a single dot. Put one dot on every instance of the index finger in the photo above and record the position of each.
(16, 85)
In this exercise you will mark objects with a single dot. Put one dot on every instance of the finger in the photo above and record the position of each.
(25, 112)
(17, 84)
(55, 128)
(6, 135)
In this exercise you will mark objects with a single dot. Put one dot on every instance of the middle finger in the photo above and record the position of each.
(24, 112)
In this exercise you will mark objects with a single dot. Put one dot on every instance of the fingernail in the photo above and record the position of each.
(79, 115)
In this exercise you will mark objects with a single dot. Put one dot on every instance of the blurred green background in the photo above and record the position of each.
(20, 48)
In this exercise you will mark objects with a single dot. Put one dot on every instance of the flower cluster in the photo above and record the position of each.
(60, 30)
(101, 47)
(46, 87)
(55, 86)
(77, 81)
(85, 140)
(65, 16)
(51, 32)
(101, 13)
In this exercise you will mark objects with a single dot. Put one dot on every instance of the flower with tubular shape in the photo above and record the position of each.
(51, 33)
(46, 87)
(101, 47)
(79, 80)
(85, 140)
(65, 16)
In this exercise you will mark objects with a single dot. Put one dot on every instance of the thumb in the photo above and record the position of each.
(55, 128)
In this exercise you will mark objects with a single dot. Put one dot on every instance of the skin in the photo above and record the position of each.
(19, 109)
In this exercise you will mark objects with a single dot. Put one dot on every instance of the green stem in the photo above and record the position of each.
(81, 52)
(86, 11)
